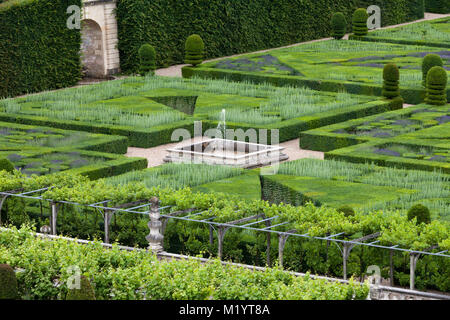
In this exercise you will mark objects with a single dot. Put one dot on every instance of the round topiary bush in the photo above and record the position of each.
(6, 165)
(391, 77)
(346, 210)
(339, 25)
(147, 57)
(194, 49)
(430, 61)
(421, 213)
(359, 21)
(437, 79)
(85, 292)
(8, 283)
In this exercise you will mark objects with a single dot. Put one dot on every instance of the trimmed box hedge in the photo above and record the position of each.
(437, 6)
(37, 50)
(230, 27)
(21, 134)
(111, 165)
(336, 136)
(409, 34)
(335, 65)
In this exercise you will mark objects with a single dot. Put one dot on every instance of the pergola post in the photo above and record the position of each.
(282, 239)
(413, 258)
(269, 237)
(221, 235)
(107, 218)
(211, 235)
(155, 238)
(2, 201)
(345, 254)
(54, 217)
(391, 268)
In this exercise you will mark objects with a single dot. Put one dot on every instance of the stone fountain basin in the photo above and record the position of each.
(227, 152)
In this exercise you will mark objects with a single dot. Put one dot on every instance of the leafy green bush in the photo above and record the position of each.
(339, 25)
(347, 211)
(359, 22)
(37, 50)
(147, 57)
(431, 60)
(421, 213)
(137, 275)
(8, 283)
(6, 165)
(85, 292)
(391, 77)
(436, 86)
(194, 49)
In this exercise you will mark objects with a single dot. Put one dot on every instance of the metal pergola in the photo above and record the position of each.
(269, 226)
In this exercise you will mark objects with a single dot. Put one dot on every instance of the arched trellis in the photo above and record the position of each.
(247, 223)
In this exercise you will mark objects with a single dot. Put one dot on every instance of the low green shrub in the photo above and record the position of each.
(147, 58)
(391, 77)
(347, 211)
(421, 213)
(339, 25)
(436, 86)
(6, 165)
(431, 60)
(85, 292)
(8, 283)
(359, 21)
(194, 50)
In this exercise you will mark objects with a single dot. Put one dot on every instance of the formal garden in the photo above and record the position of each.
(375, 104)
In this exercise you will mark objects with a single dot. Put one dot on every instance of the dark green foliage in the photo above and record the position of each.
(346, 210)
(391, 77)
(37, 50)
(147, 57)
(339, 25)
(8, 283)
(5, 164)
(84, 293)
(436, 86)
(359, 22)
(194, 50)
(420, 212)
(437, 6)
(230, 27)
(431, 60)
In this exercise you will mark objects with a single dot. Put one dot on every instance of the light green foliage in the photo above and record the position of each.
(137, 275)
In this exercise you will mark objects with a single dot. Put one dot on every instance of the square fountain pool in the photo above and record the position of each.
(227, 152)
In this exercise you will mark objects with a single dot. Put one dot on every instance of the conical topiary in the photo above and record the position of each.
(430, 61)
(6, 165)
(391, 76)
(436, 86)
(194, 48)
(85, 292)
(339, 25)
(346, 210)
(359, 21)
(421, 213)
(8, 283)
(147, 58)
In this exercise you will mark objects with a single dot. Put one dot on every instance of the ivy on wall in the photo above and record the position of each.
(237, 26)
(37, 50)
